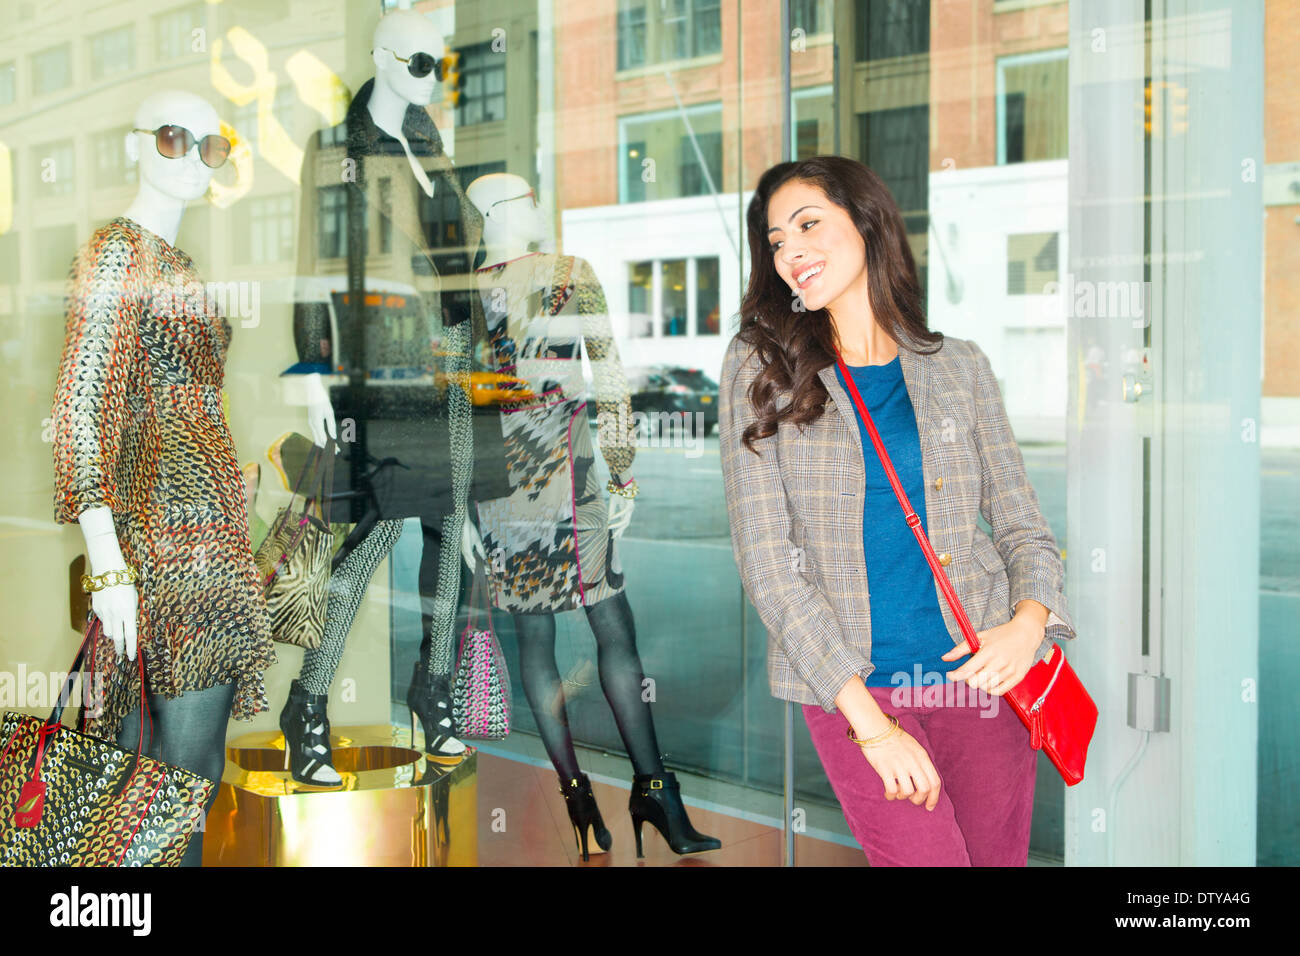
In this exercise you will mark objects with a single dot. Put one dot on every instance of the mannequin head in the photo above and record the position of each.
(510, 216)
(405, 33)
(180, 179)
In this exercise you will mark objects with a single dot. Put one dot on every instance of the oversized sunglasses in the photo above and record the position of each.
(420, 65)
(174, 142)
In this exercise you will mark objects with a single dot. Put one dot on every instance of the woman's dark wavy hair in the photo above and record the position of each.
(793, 346)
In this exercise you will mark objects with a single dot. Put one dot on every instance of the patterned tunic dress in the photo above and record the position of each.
(548, 542)
(139, 428)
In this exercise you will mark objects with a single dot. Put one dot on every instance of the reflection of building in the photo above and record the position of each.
(660, 220)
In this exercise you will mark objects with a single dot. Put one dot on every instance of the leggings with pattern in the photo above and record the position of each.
(353, 569)
(373, 539)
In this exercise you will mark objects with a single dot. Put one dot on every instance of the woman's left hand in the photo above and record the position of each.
(1006, 653)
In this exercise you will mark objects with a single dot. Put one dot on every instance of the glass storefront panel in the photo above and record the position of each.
(497, 252)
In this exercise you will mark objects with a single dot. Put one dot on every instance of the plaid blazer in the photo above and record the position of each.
(796, 513)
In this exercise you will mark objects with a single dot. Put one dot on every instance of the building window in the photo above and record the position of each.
(810, 16)
(112, 52)
(662, 31)
(891, 28)
(7, 77)
(1032, 262)
(51, 69)
(658, 160)
(56, 169)
(1033, 107)
(332, 136)
(267, 224)
(482, 86)
(441, 218)
(174, 32)
(812, 123)
(670, 298)
(708, 300)
(385, 215)
(282, 107)
(108, 152)
(640, 299)
(895, 144)
(332, 221)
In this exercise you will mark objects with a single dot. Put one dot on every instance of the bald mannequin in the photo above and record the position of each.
(403, 33)
(166, 185)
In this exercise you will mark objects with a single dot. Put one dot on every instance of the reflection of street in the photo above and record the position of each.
(713, 710)
(687, 596)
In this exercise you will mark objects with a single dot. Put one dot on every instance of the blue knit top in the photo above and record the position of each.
(907, 629)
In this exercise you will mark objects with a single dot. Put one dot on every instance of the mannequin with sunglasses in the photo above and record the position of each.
(413, 454)
(144, 462)
(553, 537)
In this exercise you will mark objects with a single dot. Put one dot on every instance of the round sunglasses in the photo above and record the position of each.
(420, 65)
(174, 142)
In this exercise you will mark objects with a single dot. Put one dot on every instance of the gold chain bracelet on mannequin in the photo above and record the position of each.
(627, 491)
(109, 579)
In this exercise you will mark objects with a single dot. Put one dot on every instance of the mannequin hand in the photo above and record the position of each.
(620, 514)
(320, 413)
(116, 608)
(471, 544)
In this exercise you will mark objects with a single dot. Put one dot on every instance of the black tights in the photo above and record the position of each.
(620, 679)
(189, 732)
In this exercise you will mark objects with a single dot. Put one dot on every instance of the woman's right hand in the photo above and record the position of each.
(116, 608)
(906, 769)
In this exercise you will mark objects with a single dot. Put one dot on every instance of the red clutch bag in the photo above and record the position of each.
(1050, 700)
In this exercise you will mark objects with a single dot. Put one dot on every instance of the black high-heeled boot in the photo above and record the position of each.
(584, 813)
(431, 701)
(658, 799)
(306, 730)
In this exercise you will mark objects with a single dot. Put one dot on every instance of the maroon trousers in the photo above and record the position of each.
(981, 752)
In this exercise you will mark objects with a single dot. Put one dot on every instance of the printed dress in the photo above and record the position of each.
(548, 543)
(139, 428)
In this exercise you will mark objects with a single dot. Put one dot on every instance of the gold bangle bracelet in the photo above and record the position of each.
(109, 579)
(627, 491)
(879, 738)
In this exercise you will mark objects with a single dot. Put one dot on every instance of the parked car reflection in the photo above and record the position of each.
(673, 399)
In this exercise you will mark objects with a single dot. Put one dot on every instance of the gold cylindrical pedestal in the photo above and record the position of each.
(395, 806)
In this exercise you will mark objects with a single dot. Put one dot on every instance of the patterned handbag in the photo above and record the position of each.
(295, 556)
(70, 799)
(480, 693)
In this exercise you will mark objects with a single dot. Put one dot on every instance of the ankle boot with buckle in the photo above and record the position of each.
(584, 813)
(306, 731)
(431, 702)
(658, 799)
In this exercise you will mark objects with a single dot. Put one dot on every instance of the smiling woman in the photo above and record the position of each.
(833, 276)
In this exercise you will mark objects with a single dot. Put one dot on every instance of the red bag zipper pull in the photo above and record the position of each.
(1036, 728)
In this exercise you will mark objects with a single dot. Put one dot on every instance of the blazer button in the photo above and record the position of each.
(938, 483)
(945, 559)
